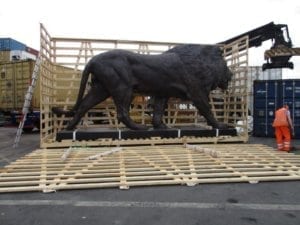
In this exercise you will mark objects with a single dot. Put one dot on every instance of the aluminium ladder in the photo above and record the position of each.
(27, 101)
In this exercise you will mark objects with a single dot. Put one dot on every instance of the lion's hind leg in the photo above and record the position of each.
(123, 99)
(92, 98)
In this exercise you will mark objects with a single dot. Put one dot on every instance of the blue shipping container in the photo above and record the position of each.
(290, 89)
(269, 95)
(9, 44)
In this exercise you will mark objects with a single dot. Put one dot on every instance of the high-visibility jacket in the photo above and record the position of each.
(281, 119)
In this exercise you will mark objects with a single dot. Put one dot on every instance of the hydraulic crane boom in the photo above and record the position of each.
(281, 51)
(280, 54)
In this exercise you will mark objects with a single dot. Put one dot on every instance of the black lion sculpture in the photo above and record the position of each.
(186, 71)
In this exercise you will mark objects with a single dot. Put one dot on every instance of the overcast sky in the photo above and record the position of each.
(185, 21)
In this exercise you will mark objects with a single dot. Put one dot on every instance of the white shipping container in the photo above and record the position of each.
(256, 73)
(16, 55)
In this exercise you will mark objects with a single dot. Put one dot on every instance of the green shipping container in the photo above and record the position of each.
(15, 78)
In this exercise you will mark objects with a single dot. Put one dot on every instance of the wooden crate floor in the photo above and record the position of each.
(49, 170)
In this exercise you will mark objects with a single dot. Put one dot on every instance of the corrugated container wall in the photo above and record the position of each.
(15, 78)
(269, 95)
(256, 73)
(5, 56)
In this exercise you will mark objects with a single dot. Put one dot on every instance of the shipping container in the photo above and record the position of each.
(5, 56)
(269, 95)
(15, 78)
(8, 44)
(21, 55)
(256, 73)
(15, 55)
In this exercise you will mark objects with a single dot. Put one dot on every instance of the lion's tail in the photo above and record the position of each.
(84, 80)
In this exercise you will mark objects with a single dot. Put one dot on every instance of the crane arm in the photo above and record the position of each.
(281, 51)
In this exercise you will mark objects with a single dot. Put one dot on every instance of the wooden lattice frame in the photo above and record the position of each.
(83, 168)
(64, 58)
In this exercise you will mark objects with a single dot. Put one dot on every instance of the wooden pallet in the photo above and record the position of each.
(49, 170)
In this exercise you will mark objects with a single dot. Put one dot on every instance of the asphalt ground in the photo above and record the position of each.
(267, 203)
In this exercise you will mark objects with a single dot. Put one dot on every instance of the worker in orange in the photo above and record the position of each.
(283, 128)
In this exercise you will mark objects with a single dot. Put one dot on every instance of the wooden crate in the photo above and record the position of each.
(106, 167)
(59, 87)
